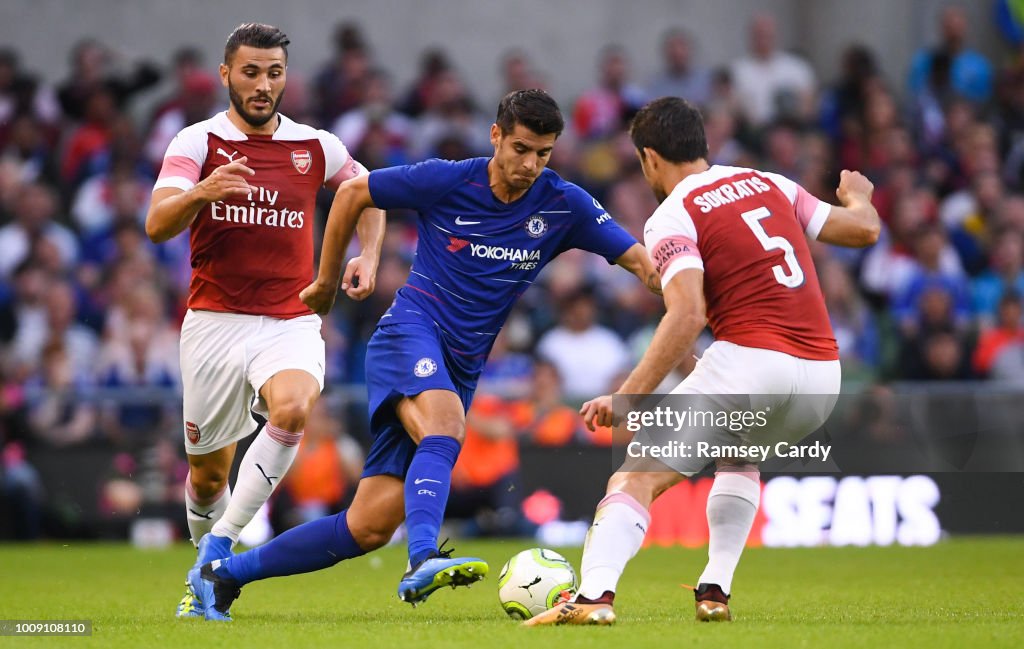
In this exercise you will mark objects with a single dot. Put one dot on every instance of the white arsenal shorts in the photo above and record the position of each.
(795, 396)
(225, 360)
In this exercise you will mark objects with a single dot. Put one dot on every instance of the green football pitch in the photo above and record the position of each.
(960, 593)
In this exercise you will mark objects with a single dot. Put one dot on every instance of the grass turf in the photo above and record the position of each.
(963, 592)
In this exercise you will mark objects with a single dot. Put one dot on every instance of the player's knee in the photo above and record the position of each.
(290, 414)
(642, 487)
(624, 481)
(456, 431)
(208, 482)
(451, 424)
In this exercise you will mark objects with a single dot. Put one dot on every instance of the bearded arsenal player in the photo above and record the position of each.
(244, 183)
(730, 246)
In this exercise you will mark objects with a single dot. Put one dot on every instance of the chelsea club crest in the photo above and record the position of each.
(425, 367)
(536, 226)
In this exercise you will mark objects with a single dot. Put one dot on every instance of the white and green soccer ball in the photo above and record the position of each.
(534, 581)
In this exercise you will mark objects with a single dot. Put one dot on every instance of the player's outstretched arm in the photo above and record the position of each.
(352, 197)
(361, 272)
(172, 210)
(637, 261)
(854, 224)
(684, 319)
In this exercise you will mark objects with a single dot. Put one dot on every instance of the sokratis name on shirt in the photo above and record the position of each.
(730, 193)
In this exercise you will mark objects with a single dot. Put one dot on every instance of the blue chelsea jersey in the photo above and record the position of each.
(476, 254)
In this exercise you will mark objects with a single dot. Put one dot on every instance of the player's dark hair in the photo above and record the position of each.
(671, 126)
(258, 35)
(534, 109)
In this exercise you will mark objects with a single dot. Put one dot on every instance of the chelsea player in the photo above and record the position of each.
(487, 226)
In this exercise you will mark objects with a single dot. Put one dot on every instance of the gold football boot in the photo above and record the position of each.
(574, 613)
(712, 604)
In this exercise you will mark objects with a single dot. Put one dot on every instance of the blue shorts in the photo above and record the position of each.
(403, 360)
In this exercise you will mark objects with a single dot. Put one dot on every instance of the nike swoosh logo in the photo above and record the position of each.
(419, 480)
(459, 221)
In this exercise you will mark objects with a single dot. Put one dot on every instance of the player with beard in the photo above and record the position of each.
(730, 245)
(244, 183)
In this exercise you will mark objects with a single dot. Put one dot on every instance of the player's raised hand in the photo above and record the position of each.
(597, 412)
(360, 278)
(319, 297)
(227, 181)
(853, 187)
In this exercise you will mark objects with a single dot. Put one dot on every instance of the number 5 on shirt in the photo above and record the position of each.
(795, 277)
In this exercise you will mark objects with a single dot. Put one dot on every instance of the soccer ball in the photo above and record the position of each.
(534, 581)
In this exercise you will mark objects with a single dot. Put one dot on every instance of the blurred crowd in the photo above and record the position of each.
(90, 309)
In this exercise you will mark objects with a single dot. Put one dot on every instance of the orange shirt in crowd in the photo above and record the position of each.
(317, 476)
(484, 460)
(557, 427)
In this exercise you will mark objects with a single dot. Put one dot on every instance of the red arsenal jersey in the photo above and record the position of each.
(254, 254)
(746, 230)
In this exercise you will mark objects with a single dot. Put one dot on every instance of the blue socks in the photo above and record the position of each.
(311, 546)
(426, 493)
(326, 541)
